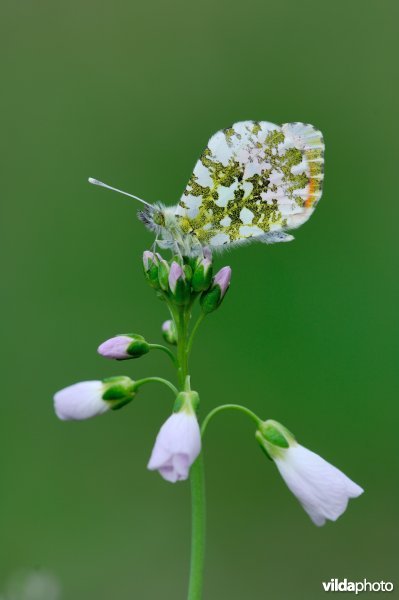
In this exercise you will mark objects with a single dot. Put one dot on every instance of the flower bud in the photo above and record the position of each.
(188, 272)
(150, 263)
(322, 489)
(87, 399)
(212, 299)
(124, 346)
(163, 274)
(177, 283)
(202, 275)
(169, 332)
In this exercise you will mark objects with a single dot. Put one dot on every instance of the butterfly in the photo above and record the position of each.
(253, 182)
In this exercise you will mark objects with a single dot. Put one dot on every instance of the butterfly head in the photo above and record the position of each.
(163, 222)
(153, 218)
(158, 218)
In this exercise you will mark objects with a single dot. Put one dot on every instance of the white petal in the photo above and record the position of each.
(80, 401)
(322, 489)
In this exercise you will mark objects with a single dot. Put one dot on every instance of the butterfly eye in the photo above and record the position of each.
(159, 218)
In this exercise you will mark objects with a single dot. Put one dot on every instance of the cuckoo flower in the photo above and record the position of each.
(178, 442)
(322, 489)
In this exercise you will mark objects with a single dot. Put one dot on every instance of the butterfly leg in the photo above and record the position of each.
(176, 246)
(199, 250)
(155, 244)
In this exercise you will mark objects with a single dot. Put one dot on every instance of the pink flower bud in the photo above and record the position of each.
(202, 275)
(176, 273)
(149, 259)
(222, 279)
(211, 299)
(122, 347)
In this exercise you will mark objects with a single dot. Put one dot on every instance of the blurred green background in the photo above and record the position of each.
(130, 92)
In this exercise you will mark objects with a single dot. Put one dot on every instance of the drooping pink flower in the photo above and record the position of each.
(177, 446)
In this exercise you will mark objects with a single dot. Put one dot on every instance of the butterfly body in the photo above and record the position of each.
(253, 182)
(167, 226)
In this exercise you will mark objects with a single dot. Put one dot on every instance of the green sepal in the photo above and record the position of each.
(138, 348)
(274, 438)
(201, 279)
(152, 276)
(277, 434)
(182, 292)
(188, 401)
(261, 442)
(117, 404)
(118, 388)
(163, 275)
(114, 392)
(188, 272)
(210, 300)
(193, 261)
(273, 435)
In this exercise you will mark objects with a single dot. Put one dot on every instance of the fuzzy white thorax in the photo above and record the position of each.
(164, 222)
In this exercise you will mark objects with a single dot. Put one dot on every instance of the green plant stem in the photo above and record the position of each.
(223, 407)
(140, 382)
(182, 318)
(193, 332)
(182, 357)
(164, 349)
(197, 529)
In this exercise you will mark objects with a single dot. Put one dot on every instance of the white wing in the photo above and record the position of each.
(253, 180)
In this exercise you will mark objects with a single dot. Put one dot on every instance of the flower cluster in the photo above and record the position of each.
(179, 282)
(321, 488)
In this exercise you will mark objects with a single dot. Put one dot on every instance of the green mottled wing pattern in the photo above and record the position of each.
(253, 180)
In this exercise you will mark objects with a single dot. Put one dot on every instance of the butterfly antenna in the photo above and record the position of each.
(104, 185)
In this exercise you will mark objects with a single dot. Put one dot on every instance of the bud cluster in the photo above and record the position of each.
(182, 279)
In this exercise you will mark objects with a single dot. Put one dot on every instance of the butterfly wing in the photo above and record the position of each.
(253, 180)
